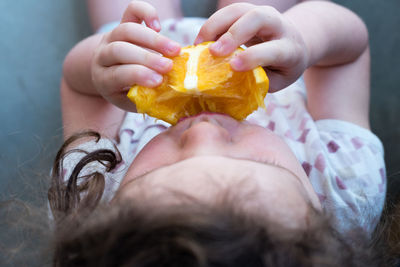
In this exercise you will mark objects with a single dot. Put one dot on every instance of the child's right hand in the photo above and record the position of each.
(132, 54)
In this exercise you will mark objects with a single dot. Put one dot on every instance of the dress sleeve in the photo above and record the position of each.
(354, 161)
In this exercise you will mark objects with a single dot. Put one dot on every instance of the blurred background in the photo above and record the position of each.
(34, 39)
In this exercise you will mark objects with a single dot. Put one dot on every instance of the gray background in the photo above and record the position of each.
(35, 37)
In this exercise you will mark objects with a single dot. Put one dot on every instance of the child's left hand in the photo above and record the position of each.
(273, 41)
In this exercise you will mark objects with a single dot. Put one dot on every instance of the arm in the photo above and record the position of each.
(333, 34)
(82, 106)
(105, 11)
(339, 65)
(99, 69)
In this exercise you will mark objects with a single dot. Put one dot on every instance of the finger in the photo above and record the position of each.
(145, 37)
(275, 54)
(220, 21)
(117, 78)
(117, 53)
(263, 21)
(138, 11)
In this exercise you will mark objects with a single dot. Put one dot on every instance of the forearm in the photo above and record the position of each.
(82, 106)
(333, 34)
(77, 66)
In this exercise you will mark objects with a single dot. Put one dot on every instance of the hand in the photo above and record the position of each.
(132, 54)
(272, 40)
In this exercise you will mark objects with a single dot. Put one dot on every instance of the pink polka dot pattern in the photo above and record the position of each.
(303, 137)
(320, 163)
(303, 123)
(332, 147)
(307, 168)
(271, 126)
(321, 198)
(357, 143)
(340, 184)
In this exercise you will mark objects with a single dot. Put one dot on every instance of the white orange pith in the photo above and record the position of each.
(200, 82)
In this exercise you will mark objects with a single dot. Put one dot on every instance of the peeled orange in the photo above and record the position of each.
(200, 82)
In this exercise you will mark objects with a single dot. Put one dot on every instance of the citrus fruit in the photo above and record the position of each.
(201, 82)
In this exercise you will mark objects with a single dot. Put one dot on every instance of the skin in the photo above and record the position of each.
(209, 153)
(307, 38)
(104, 11)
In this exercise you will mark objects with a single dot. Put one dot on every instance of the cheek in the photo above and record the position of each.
(160, 151)
(261, 142)
(265, 146)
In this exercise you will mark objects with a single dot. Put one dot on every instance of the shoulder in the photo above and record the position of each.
(347, 170)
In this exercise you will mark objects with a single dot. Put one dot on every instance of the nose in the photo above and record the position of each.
(204, 136)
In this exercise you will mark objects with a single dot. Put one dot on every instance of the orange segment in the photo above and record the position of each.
(213, 71)
(200, 82)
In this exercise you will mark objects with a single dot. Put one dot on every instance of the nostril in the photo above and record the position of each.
(203, 113)
(204, 132)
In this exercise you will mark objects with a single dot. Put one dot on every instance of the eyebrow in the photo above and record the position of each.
(297, 178)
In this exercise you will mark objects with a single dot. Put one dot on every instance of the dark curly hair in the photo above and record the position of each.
(188, 234)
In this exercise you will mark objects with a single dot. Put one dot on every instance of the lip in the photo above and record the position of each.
(207, 113)
(219, 119)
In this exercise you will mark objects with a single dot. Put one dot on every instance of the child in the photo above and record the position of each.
(291, 186)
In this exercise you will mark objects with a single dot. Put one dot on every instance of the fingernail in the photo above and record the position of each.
(198, 40)
(173, 47)
(156, 79)
(217, 46)
(237, 63)
(156, 25)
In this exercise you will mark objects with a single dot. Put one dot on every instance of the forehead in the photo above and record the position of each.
(205, 178)
(257, 189)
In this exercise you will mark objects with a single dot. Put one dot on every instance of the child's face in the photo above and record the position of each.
(205, 155)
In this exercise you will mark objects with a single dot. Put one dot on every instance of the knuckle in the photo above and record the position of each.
(113, 79)
(269, 10)
(102, 85)
(241, 6)
(271, 17)
(97, 53)
(125, 28)
(99, 58)
(121, 31)
(280, 54)
(113, 48)
(143, 75)
(249, 59)
(95, 76)
(157, 40)
(133, 6)
(159, 43)
(148, 59)
(257, 13)
(142, 8)
(272, 12)
(231, 34)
